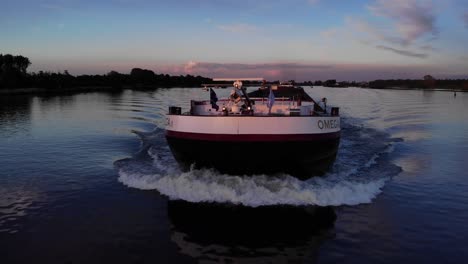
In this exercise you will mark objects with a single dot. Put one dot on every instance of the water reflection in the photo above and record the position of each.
(228, 233)
(15, 114)
(14, 204)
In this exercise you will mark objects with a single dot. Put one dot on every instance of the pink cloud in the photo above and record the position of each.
(269, 71)
(306, 71)
(273, 73)
(190, 66)
(232, 70)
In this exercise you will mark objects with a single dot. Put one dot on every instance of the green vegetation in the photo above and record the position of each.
(13, 75)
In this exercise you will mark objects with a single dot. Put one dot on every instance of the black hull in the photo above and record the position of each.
(302, 159)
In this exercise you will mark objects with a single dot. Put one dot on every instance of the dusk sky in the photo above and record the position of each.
(277, 40)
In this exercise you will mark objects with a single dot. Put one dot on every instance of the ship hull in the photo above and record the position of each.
(300, 155)
(302, 146)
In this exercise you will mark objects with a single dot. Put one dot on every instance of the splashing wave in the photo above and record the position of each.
(359, 174)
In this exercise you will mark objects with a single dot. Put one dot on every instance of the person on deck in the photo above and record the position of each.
(235, 97)
(323, 104)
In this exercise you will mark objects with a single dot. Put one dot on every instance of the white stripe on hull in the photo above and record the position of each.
(256, 125)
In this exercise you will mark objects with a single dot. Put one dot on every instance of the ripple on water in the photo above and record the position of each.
(15, 203)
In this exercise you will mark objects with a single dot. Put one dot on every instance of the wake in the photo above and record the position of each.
(360, 172)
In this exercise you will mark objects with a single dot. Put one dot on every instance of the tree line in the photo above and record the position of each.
(449, 84)
(335, 83)
(428, 82)
(13, 74)
(13, 70)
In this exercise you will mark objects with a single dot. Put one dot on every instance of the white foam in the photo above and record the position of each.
(210, 186)
(357, 177)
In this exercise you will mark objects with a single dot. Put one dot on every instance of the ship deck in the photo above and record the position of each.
(259, 107)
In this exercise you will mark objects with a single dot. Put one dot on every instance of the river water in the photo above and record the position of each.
(89, 178)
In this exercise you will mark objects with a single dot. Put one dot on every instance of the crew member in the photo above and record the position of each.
(235, 97)
(323, 104)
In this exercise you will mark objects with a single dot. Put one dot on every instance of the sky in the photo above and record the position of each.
(354, 40)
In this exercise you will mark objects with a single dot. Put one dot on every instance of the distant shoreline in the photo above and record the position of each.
(29, 91)
(421, 89)
(15, 79)
(18, 91)
(14, 75)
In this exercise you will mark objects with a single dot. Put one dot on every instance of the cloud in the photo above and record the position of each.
(281, 71)
(404, 27)
(269, 71)
(308, 71)
(238, 28)
(54, 7)
(428, 47)
(413, 19)
(465, 19)
(403, 52)
(260, 66)
(190, 66)
(313, 2)
(300, 71)
(330, 33)
(377, 34)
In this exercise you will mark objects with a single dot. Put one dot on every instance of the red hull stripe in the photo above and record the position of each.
(251, 137)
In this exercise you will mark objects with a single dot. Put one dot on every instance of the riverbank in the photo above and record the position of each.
(421, 89)
(51, 91)
(78, 89)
